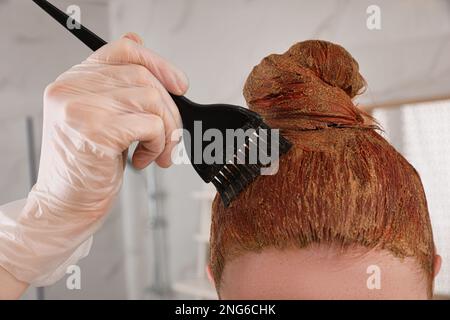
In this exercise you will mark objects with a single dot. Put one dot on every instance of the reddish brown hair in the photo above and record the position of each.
(341, 183)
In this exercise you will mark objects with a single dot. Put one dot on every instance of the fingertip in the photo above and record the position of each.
(164, 162)
(141, 158)
(140, 164)
(182, 83)
(165, 159)
(134, 37)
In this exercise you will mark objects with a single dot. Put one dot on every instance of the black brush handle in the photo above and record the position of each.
(94, 42)
(86, 36)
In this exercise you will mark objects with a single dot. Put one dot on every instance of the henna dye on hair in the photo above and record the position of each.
(341, 183)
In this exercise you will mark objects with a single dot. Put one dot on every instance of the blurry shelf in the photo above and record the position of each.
(198, 287)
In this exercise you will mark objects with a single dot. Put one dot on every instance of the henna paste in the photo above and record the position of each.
(341, 183)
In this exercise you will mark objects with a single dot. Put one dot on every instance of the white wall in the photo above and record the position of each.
(218, 42)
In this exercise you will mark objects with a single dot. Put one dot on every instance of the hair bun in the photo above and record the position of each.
(309, 86)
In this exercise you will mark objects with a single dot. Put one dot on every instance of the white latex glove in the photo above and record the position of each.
(92, 113)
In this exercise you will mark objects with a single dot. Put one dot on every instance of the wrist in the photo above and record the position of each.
(36, 247)
(11, 287)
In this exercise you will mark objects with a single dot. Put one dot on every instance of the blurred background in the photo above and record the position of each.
(155, 242)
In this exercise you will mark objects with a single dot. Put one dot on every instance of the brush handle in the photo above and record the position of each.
(84, 34)
(94, 42)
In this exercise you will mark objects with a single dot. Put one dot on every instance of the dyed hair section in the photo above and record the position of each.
(341, 183)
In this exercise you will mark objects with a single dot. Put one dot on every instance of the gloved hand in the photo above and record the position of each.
(92, 113)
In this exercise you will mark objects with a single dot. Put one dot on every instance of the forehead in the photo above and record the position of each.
(321, 273)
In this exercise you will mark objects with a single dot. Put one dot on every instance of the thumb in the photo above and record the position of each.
(134, 37)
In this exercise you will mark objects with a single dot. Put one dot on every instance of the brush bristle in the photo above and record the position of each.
(233, 177)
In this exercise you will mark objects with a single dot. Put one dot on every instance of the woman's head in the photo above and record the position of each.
(343, 197)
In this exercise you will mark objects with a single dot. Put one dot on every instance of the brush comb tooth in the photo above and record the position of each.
(238, 182)
(234, 177)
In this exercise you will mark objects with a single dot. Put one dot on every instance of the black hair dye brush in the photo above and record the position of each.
(239, 161)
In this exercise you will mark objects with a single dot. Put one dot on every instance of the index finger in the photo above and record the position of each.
(127, 51)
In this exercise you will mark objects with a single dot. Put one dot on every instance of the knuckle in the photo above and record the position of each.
(141, 73)
(153, 100)
(53, 90)
(158, 131)
(126, 46)
(159, 126)
(70, 110)
(153, 95)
